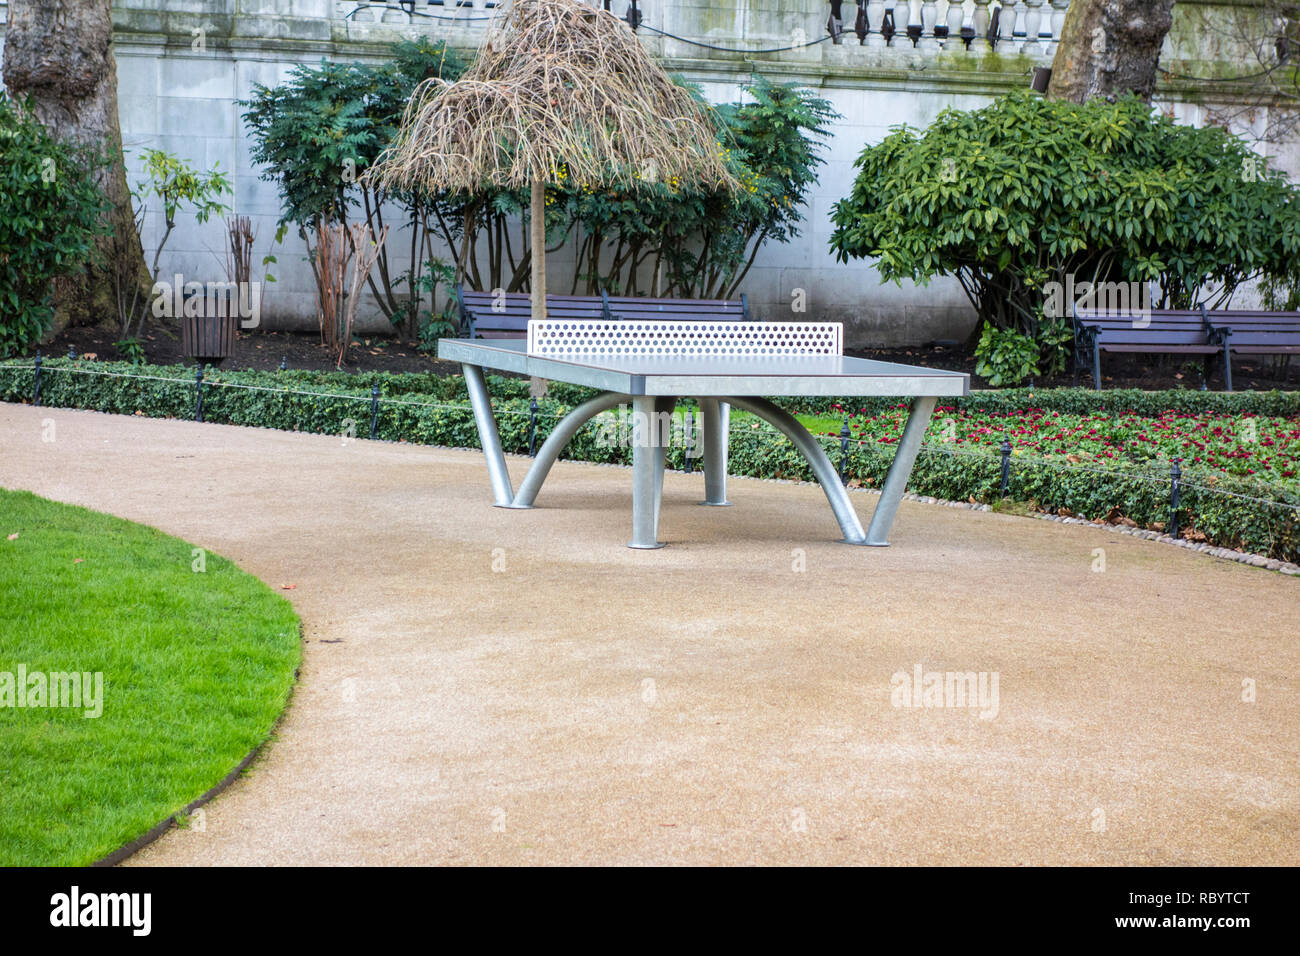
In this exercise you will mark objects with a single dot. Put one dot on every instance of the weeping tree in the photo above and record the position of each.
(561, 91)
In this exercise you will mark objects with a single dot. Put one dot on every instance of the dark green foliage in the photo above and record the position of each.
(1027, 190)
(316, 133)
(50, 213)
(316, 136)
(703, 242)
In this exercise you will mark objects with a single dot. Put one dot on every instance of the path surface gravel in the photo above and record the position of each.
(482, 685)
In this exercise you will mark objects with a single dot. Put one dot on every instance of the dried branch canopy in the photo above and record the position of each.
(561, 84)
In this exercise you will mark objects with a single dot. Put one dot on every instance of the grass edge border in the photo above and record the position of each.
(154, 833)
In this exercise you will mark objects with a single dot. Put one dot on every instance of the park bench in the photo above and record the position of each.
(640, 309)
(1154, 332)
(1252, 333)
(1198, 331)
(505, 315)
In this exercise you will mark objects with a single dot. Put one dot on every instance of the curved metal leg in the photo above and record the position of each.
(827, 477)
(899, 471)
(488, 435)
(717, 418)
(555, 442)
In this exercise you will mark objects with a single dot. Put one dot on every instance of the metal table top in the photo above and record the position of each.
(714, 375)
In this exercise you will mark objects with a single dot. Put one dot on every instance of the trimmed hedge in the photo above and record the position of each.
(1222, 507)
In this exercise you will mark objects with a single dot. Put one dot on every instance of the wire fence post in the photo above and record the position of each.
(198, 392)
(374, 410)
(1175, 474)
(844, 450)
(1005, 448)
(532, 427)
(36, 386)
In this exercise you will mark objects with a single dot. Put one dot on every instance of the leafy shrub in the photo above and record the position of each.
(1027, 191)
(1005, 356)
(50, 213)
(1079, 401)
(702, 242)
(317, 133)
(132, 349)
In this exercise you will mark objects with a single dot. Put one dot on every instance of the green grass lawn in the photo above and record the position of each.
(196, 667)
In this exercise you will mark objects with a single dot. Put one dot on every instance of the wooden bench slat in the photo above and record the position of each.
(1153, 337)
(1171, 349)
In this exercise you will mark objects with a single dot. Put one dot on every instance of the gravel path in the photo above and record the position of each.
(488, 686)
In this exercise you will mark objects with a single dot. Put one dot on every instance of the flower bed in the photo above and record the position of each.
(1267, 448)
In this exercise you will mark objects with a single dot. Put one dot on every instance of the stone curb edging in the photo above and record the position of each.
(1214, 551)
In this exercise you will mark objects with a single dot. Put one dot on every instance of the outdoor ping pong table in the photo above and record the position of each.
(721, 364)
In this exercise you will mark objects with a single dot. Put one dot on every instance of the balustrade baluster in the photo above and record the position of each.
(1007, 28)
(1031, 45)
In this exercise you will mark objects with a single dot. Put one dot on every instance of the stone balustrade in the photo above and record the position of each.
(1008, 27)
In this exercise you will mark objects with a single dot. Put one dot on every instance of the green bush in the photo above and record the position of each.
(704, 239)
(50, 214)
(1027, 190)
(316, 134)
(425, 409)
(1005, 356)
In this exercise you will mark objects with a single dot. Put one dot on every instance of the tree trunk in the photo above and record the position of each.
(537, 214)
(1109, 47)
(59, 52)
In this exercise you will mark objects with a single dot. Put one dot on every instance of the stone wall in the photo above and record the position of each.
(183, 64)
